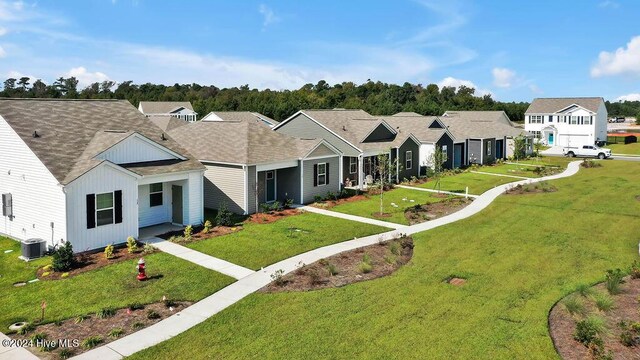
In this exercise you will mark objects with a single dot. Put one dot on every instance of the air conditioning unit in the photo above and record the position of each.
(33, 248)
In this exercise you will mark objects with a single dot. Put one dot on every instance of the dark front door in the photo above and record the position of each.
(176, 204)
(271, 185)
(457, 156)
(499, 147)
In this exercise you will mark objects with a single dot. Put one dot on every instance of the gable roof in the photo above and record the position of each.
(241, 142)
(552, 105)
(479, 124)
(167, 122)
(163, 107)
(239, 116)
(418, 125)
(72, 132)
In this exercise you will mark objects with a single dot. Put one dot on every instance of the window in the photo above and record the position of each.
(7, 205)
(353, 165)
(155, 194)
(488, 148)
(536, 134)
(550, 118)
(408, 160)
(322, 174)
(535, 119)
(269, 175)
(588, 120)
(104, 209)
(573, 120)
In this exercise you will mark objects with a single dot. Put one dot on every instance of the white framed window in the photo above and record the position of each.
(536, 134)
(535, 119)
(408, 160)
(353, 165)
(489, 148)
(104, 209)
(322, 174)
(155, 194)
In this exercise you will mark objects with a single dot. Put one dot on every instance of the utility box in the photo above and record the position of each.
(33, 248)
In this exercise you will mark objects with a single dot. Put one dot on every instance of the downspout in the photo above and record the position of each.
(360, 172)
(301, 181)
(246, 193)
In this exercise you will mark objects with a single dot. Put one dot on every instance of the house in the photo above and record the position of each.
(239, 116)
(360, 137)
(91, 172)
(178, 109)
(248, 164)
(567, 121)
(482, 136)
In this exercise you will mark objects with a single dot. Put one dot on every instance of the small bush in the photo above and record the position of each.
(80, 318)
(278, 277)
(132, 245)
(276, 206)
(635, 326)
(394, 247)
(207, 227)
(152, 314)
(314, 276)
(108, 251)
(63, 258)
(105, 313)
(332, 196)
(64, 275)
(225, 216)
(627, 338)
(317, 198)
(613, 279)
(366, 258)
(584, 290)
(188, 232)
(26, 329)
(574, 305)
(288, 203)
(635, 270)
(116, 332)
(265, 208)
(589, 329)
(47, 267)
(390, 259)
(135, 306)
(148, 248)
(91, 342)
(45, 274)
(603, 301)
(176, 239)
(169, 303)
(588, 163)
(137, 325)
(38, 337)
(66, 353)
(333, 270)
(365, 268)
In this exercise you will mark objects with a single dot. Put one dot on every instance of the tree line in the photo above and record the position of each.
(376, 98)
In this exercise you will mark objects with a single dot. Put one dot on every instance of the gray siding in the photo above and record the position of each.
(446, 140)
(288, 184)
(224, 183)
(474, 151)
(415, 157)
(252, 187)
(322, 150)
(303, 127)
(261, 194)
(311, 191)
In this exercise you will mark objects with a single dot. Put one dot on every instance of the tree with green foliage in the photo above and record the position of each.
(63, 258)
(385, 168)
(436, 162)
(519, 147)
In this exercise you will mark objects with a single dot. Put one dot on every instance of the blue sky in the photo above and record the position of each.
(515, 50)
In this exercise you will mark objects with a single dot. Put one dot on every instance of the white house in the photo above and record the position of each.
(239, 116)
(91, 172)
(567, 121)
(178, 109)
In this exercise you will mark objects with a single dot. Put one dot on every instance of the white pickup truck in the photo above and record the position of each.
(587, 151)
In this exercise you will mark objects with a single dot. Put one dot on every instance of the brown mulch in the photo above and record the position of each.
(456, 281)
(421, 213)
(562, 325)
(91, 261)
(534, 188)
(199, 234)
(93, 326)
(378, 214)
(317, 275)
(269, 217)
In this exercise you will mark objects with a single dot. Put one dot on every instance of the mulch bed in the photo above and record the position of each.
(92, 261)
(348, 266)
(562, 325)
(93, 326)
(421, 213)
(533, 188)
(269, 217)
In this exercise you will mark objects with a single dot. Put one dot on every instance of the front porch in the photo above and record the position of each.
(148, 232)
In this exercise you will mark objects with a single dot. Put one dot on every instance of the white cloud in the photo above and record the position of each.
(535, 89)
(86, 78)
(622, 61)
(503, 77)
(2, 52)
(269, 17)
(609, 4)
(17, 75)
(629, 97)
(456, 83)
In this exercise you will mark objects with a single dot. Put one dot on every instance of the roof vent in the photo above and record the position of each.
(35, 134)
(344, 128)
(162, 137)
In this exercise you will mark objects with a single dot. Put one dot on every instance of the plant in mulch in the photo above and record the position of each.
(116, 332)
(80, 318)
(176, 239)
(394, 247)
(635, 270)
(135, 306)
(390, 259)
(137, 325)
(132, 245)
(584, 290)
(588, 163)
(169, 303)
(63, 258)
(589, 330)
(38, 337)
(333, 270)
(613, 280)
(207, 227)
(153, 315)
(365, 265)
(188, 232)
(26, 329)
(148, 249)
(91, 341)
(66, 353)
(105, 313)
(225, 216)
(288, 203)
(108, 252)
(314, 276)
(604, 302)
(278, 277)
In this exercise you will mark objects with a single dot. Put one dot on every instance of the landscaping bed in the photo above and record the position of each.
(421, 213)
(539, 187)
(198, 233)
(348, 267)
(98, 329)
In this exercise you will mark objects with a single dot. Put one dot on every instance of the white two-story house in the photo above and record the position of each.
(567, 121)
(182, 110)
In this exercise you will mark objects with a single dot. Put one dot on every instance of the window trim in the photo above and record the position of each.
(408, 159)
(161, 192)
(324, 174)
(536, 119)
(112, 208)
(266, 175)
(353, 161)
(488, 148)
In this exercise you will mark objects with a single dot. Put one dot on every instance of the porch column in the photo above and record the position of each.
(341, 170)
(360, 173)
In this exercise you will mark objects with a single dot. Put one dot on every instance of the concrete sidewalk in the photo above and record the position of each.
(503, 175)
(350, 217)
(437, 191)
(14, 353)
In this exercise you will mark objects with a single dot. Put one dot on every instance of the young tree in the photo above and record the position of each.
(436, 161)
(537, 146)
(519, 147)
(386, 169)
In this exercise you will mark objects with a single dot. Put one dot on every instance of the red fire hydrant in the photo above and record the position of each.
(142, 276)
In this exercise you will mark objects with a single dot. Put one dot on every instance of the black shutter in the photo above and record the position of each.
(91, 211)
(117, 206)
(326, 166)
(315, 174)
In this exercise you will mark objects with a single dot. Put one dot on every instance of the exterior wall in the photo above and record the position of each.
(101, 179)
(148, 215)
(321, 150)
(446, 140)
(380, 133)
(489, 158)
(195, 204)
(252, 187)
(224, 183)
(310, 191)
(346, 173)
(426, 150)
(261, 193)
(601, 123)
(303, 127)
(474, 151)
(133, 150)
(404, 173)
(38, 200)
(288, 184)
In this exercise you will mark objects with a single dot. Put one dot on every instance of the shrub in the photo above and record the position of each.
(588, 163)
(584, 289)
(317, 198)
(390, 259)
(176, 239)
(333, 270)
(105, 313)
(80, 318)
(265, 208)
(278, 277)
(365, 268)
(64, 275)
(152, 314)
(225, 216)
(91, 342)
(132, 245)
(366, 258)
(148, 249)
(394, 247)
(314, 276)
(627, 338)
(188, 231)
(38, 337)
(635, 326)
(45, 274)
(116, 332)
(63, 258)
(603, 301)
(137, 325)
(207, 227)
(331, 196)
(635, 270)
(288, 203)
(26, 329)
(135, 306)
(169, 303)
(589, 329)
(613, 279)
(66, 353)
(574, 305)
(108, 251)
(47, 267)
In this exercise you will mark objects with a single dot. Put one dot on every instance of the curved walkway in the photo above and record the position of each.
(211, 305)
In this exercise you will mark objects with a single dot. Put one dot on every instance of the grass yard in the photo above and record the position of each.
(631, 149)
(510, 169)
(560, 161)
(477, 183)
(520, 255)
(366, 208)
(113, 285)
(259, 245)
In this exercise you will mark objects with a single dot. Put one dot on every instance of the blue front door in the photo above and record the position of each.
(550, 141)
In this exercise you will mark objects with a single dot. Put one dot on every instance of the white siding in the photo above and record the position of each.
(148, 215)
(195, 200)
(101, 179)
(133, 150)
(601, 122)
(192, 205)
(38, 200)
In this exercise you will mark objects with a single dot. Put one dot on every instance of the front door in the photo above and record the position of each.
(457, 156)
(176, 204)
(550, 139)
(270, 183)
(499, 149)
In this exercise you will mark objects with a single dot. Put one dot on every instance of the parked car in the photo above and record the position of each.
(620, 119)
(587, 151)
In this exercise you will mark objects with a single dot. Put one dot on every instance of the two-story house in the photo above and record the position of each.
(178, 109)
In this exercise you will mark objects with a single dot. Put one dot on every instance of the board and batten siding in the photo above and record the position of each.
(38, 199)
(403, 172)
(134, 150)
(447, 141)
(224, 184)
(303, 127)
(148, 215)
(101, 179)
(310, 191)
(195, 206)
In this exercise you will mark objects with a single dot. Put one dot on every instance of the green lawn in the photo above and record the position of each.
(259, 245)
(560, 161)
(632, 149)
(477, 183)
(113, 285)
(511, 169)
(520, 255)
(366, 208)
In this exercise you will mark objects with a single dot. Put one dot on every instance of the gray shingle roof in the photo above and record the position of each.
(417, 124)
(167, 122)
(72, 132)
(242, 115)
(163, 107)
(479, 124)
(552, 105)
(240, 142)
